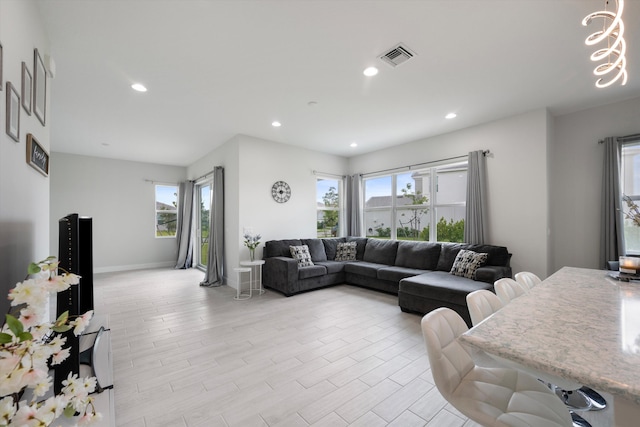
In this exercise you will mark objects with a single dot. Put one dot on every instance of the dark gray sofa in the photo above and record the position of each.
(418, 272)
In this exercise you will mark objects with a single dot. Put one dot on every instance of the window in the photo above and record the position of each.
(630, 187)
(329, 212)
(426, 204)
(166, 210)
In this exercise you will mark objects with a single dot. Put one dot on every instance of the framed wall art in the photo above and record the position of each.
(39, 87)
(37, 156)
(27, 85)
(13, 113)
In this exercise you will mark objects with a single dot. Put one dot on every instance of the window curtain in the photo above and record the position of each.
(354, 205)
(185, 232)
(215, 262)
(611, 227)
(475, 223)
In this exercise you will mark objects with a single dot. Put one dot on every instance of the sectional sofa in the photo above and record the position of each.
(420, 273)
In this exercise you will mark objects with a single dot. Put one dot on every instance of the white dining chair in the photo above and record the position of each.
(508, 289)
(528, 279)
(493, 397)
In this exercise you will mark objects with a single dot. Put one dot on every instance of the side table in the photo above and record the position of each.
(239, 294)
(257, 276)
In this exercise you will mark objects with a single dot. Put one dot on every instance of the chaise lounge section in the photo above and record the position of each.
(420, 273)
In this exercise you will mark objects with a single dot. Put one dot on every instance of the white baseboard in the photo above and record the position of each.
(113, 268)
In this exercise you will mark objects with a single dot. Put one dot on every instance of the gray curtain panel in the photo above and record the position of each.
(611, 227)
(185, 233)
(475, 223)
(215, 263)
(354, 206)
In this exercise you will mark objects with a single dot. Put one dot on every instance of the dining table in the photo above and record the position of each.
(579, 324)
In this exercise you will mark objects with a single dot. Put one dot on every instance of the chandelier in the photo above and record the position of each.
(613, 54)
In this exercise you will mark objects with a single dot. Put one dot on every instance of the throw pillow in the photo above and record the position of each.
(346, 251)
(467, 262)
(302, 255)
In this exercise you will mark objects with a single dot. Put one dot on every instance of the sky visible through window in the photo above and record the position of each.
(166, 194)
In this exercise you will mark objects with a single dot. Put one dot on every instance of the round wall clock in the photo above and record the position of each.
(281, 192)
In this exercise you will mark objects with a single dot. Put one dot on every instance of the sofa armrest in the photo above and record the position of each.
(491, 273)
(280, 273)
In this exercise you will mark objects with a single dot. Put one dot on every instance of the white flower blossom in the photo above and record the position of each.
(81, 322)
(29, 292)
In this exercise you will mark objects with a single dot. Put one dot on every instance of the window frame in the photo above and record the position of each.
(323, 208)
(635, 197)
(158, 211)
(395, 208)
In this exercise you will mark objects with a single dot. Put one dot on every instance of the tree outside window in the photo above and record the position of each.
(328, 202)
(166, 210)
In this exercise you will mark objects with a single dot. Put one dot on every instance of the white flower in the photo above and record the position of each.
(81, 322)
(29, 292)
(30, 317)
(60, 356)
(7, 410)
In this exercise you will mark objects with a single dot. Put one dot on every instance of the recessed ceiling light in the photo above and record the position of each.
(276, 124)
(371, 71)
(353, 144)
(138, 87)
(451, 116)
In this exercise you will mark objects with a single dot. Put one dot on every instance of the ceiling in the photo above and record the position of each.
(215, 69)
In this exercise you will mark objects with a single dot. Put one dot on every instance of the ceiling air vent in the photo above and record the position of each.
(398, 55)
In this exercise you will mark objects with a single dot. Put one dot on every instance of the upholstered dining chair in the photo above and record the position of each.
(508, 289)
(528, 279)
(493, 397)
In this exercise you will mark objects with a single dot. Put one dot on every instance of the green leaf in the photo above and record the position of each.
(33, 268)
(62, 319)
(5, 338)
(69, 411)
(25, 336)
(61, 329)
(14, 325)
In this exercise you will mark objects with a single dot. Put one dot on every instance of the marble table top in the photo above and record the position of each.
(579, 324)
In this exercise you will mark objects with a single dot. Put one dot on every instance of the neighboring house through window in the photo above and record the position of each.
(426, 204)
(166, 210)
(630, 187)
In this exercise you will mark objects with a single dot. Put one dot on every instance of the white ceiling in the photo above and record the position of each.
(215, 69)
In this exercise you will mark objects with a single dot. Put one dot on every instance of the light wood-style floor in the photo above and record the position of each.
(186, 355)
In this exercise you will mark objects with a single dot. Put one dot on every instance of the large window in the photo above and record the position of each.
(329, 204)
(426, 204)
(630, 187)
(166, 210)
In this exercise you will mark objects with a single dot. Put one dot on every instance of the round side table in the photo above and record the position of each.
(239, 271)
(256, 285)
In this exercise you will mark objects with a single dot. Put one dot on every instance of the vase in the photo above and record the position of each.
(252, 254)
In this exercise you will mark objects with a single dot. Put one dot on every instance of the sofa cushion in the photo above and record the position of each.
(362, 268)
(361, 242)
(441, 286)
(381, 251)
(311, 271)
(420, 255)
(316, 249)
(332, 266)
(301, 254)
(467, 262)
(395, 274)
(448, 253)
(346, 251)
(330, 246)
(279, 247)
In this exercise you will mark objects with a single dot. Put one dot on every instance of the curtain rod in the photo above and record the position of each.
(327, 174)
(625, 138)
(409, 167)
(203, 176)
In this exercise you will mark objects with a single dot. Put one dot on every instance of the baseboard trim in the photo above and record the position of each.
(115, 268)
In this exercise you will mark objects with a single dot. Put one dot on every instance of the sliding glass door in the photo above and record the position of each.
(203, 211)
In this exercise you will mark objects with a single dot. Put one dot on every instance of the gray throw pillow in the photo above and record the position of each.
(302, 255)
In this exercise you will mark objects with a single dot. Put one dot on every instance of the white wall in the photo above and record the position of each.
(251, 167)
(575, 171)
(24, 193)
(118, 196)
(516, 174)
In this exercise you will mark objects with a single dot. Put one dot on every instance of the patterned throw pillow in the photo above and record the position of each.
(346, 251)
(302, 255)
(467, 262)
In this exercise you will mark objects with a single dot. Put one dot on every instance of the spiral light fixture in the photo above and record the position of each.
(614, 53)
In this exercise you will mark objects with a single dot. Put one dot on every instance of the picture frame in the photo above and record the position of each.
(37, 157)
(13, 112)
(39, 87)
(27, 86)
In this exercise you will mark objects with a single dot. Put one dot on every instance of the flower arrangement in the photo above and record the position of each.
(30, 344)
(633, 212)
(252, 242)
